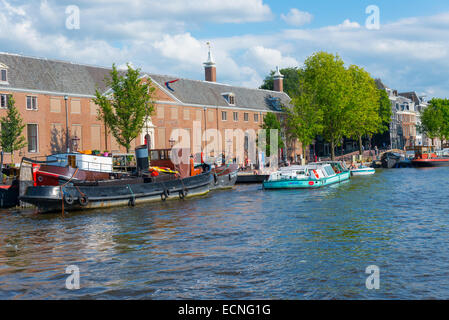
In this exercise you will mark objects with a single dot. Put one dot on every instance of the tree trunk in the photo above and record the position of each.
(332, 150)
(105, 137)
(360, 145)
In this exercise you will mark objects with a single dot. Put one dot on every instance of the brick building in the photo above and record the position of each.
(43, 88)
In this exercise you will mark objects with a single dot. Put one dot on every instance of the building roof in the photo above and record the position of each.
(29, 73)
(412, 96)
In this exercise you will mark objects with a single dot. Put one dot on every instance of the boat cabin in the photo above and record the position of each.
(423, 152)
(311, 171)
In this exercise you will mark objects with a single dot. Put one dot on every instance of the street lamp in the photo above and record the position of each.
(66, 98)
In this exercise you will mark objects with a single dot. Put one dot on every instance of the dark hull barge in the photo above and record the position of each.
(120, 192)
(225, 177)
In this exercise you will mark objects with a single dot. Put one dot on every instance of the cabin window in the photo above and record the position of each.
(33, 143)
(31, 103)
(154, 155)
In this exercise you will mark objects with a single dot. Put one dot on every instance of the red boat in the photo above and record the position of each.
(425, 156)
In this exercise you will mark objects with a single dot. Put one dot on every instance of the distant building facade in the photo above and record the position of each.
(404, 126)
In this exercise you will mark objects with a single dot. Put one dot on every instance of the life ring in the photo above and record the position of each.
(84, 201)
(316, 174)
(68, 199)
(132, 202)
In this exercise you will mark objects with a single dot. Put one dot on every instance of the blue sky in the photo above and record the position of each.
(249, 38)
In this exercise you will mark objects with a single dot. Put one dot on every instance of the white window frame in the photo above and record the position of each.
(6, 73)
(256, 117)
(224, 116)
(6, 100)
(235, 115)
(227, 96)
(37, 138)
(36, 105)
(246, 117)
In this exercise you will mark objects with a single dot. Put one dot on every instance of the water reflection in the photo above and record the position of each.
(242, 244)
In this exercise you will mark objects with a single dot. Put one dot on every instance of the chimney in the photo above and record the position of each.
(278, 81)
(210, 70)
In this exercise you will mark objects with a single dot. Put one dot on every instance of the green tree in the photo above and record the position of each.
(328, 83)
(271, 122)
(385, 112)
(291, 80)
(12, 126)
(364, 117)
(435, 120)
(124, 111)
(305, 118)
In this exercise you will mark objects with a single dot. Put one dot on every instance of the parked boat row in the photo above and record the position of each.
(416, 156)
(78, 182)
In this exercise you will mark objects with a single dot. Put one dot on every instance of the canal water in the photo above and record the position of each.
(245, 243)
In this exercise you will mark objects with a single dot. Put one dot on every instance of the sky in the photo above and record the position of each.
(408, 50)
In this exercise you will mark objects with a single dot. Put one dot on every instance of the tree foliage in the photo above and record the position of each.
(304, 120)
(364, 117)
(333, 101)
(125, 110)
(271, 122)
(12, 126)
(326, 81)
(291, 79)
(385, 112)
(435, 119)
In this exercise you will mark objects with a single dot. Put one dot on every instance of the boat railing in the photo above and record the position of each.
(121, 163)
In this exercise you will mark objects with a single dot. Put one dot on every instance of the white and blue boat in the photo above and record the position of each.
(312, 176)
(363, 171)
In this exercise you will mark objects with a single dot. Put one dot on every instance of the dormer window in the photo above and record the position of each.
(230, 98)
(275, 103)
(3, 73)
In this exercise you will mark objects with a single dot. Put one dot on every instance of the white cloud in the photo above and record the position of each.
(297, 18)
(409, 54)
(266, 59)
(181, 47)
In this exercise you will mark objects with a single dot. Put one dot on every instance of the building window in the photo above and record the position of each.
(224, 115)
(33, 142)
(236, 116)
(4, 99)
(31, 103)
(246, 116)
(256, 117)
(3, 75)
(230, 98)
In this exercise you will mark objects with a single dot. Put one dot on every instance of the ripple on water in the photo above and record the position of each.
(245, 243)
